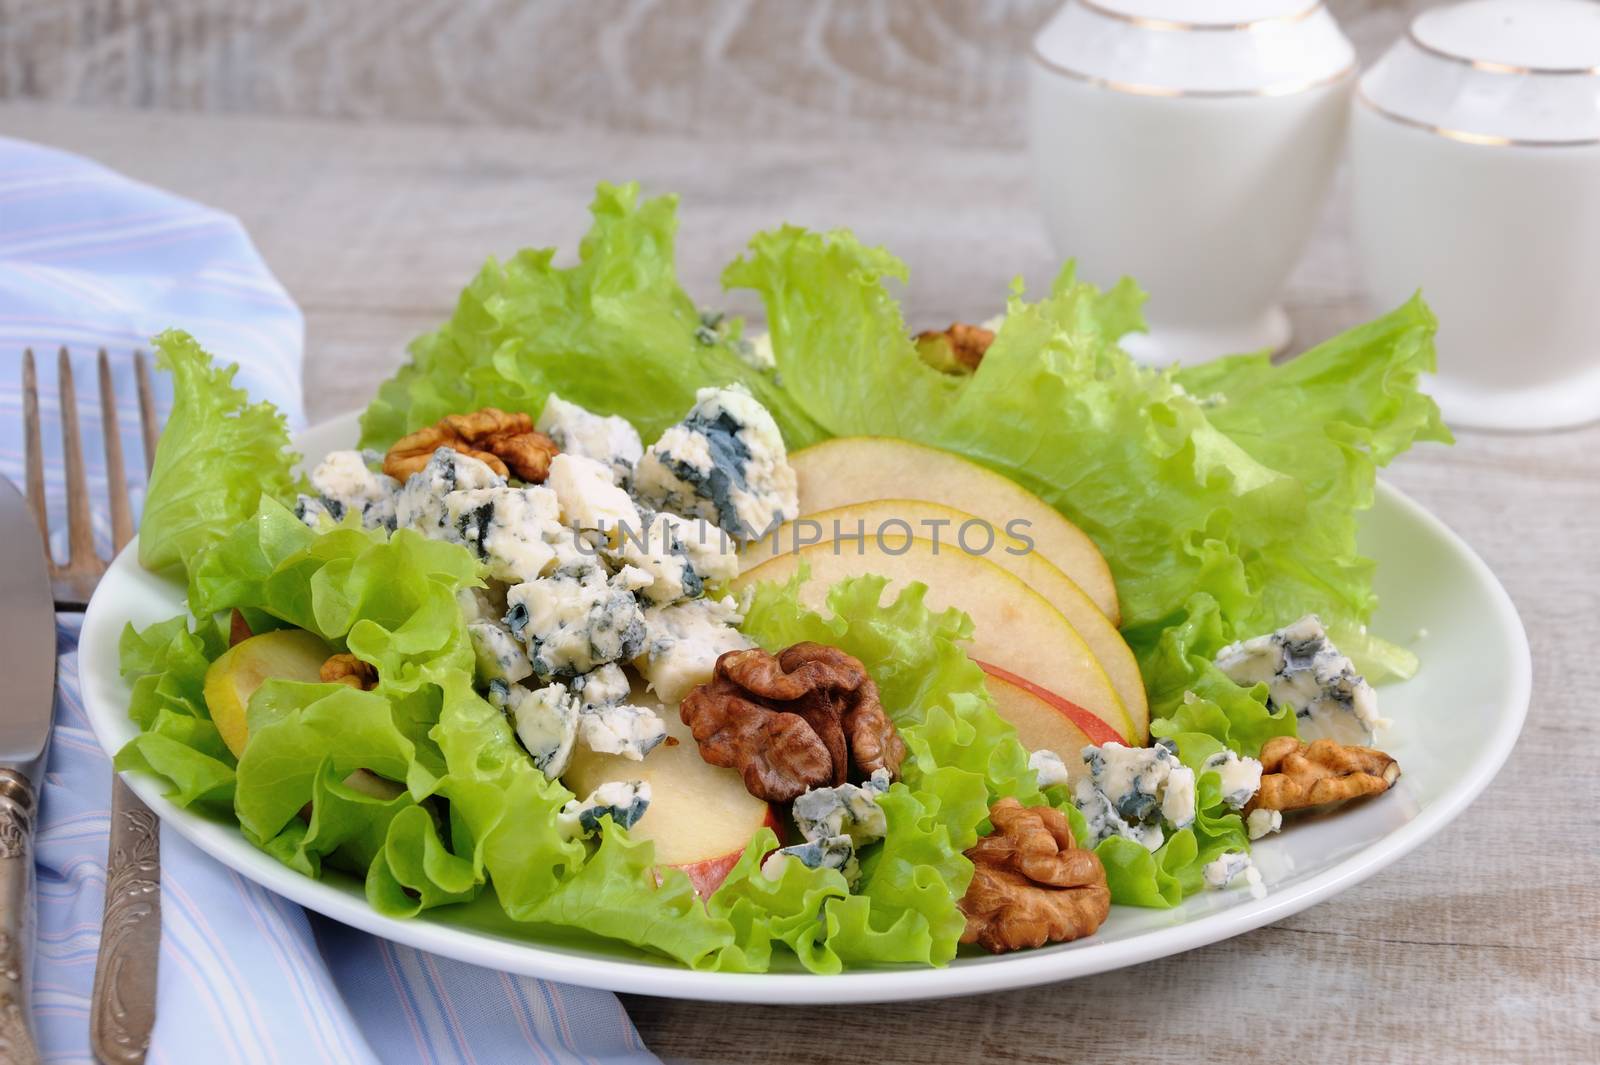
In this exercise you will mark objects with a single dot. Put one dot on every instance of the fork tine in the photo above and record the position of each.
(80, 532)
(116, 483)
(35, 452)
(147, 410)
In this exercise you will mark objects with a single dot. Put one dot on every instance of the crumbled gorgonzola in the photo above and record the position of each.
(1240, 776)
(482, 604)
(681, 555)
(724, 462)
(1304, 671)
(345, 483)
(1048, 767)
(611, 441)
(833, 852)
(420, 504)
(590, 501)
(1260, 823)
(624, 801)
(757, 352)
(631, 731)
(312, 513)
(499, 655)
(511, 530)
(546, 721)
(847, 810)
(576, 619)
(1132, 791)
(1231, 867)
(606, 685)
(682, 642)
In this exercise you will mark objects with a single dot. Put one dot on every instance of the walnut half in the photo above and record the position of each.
(506, 443)
(1296, 775)
(350, 670)
(1031, 883)
(792, 721)
(956, 350)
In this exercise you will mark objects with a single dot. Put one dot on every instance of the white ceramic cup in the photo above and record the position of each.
(1189, 144)
(1475, 176)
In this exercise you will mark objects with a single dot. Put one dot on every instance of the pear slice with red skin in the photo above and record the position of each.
(859, 469)
(882, 526)
(1014, 627)
(700, 816)
(1044, 721)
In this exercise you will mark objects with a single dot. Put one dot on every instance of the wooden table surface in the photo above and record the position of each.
(1481, 946)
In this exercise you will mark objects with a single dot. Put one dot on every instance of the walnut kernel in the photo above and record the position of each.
(792, 721)
(1031, 883)
(506, 443)
(350, 670)
(1296, 775)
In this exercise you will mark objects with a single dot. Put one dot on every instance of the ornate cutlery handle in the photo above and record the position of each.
(18, 804)
(123, 1008)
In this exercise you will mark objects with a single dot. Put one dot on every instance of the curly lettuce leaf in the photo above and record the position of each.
(614, 333)
(217, 457)
(166, 667)
(1239, 480)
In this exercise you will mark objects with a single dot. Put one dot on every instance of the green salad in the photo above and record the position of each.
(378, 674)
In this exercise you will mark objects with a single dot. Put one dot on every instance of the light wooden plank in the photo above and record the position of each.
(948, 69)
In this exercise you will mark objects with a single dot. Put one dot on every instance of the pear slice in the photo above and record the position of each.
(284, 654)
(700, 817)
(1045, 721)
(1016, 628)
(858, 469)
(883, 525)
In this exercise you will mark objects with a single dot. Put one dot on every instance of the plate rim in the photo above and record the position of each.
(1023, 969)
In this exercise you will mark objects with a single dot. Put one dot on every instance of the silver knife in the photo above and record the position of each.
(28, 669)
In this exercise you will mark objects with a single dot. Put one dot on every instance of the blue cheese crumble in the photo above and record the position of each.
(1133, 791)
(681, 555)
(420, 504)
(1304, 671)
(849, 810)
(511, 530)
(604, 686)
(834, 852)
(757, 353)
(576, 619)
(624, 801)
(682, 642)
(1235, 867)
(346, 483)
(610, 441)
(1240, 777)
(618, 728)
(590, 501)
(546, 721)
(1049, 769)
(499, 655)
(1259, 823)
(724, 462)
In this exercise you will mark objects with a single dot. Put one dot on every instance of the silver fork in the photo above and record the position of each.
(123, 1008)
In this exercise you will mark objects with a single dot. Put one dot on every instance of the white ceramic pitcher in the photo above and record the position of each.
(1189, 144)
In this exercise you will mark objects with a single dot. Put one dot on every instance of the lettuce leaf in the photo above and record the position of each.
(166, 667)
(1240, 480)
(614, 333)
(217, 457)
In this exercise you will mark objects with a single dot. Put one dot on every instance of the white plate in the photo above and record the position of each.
(1454, 724)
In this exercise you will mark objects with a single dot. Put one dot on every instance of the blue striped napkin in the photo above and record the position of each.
(91, 259)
